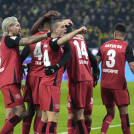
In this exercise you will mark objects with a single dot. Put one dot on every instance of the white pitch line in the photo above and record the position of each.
(97, 128)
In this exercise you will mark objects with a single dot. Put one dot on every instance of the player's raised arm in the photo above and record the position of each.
(38, 23)
(11, 31)
(69, 36)
(57, 28)
(32, 39)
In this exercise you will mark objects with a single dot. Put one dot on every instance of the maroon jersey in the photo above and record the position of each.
(10, 64)
(36, 67)
(79, 67)
(51, 58)
(113, 55)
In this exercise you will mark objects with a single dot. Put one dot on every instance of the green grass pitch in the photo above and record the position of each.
(97, 116)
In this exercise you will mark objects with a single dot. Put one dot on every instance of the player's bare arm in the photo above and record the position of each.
(98, 58)
(131, 65)
(52, 13)
(69, 36)
(37, 24)
(32, 40)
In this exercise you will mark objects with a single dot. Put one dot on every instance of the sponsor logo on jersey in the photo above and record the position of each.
(13, 37)
(18, 96)
(37, 62)
(57, 106)
(110, 71)
(54, 39)
(45, 45)
(83, 62)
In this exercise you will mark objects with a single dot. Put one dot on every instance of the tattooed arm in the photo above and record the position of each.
(32, 39)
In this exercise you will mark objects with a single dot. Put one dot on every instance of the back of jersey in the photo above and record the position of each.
(37, 65)
(113, 54)
(79, 67)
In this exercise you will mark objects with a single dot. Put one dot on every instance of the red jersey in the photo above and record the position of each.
(79, 67)
(51, 58)
(10, 64)
(36, 67)
(113, 55)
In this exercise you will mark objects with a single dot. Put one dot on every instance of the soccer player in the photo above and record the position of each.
(87, 114)
(80, 80)
(11, 71)
(35, 73)
(113, 55)
(50, 84)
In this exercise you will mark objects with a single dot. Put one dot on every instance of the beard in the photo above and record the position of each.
(18, 35)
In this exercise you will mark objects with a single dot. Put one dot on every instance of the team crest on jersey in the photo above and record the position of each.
(54, 39)
(13, 37)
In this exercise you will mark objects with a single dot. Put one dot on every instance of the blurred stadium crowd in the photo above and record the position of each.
(99, 16)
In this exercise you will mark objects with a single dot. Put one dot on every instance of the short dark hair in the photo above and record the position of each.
(46, 20)
(54, 25)
(120, 27)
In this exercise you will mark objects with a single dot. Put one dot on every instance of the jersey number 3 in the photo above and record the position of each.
(111, 53)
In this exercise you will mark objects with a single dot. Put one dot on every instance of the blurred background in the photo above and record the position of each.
(99, 16)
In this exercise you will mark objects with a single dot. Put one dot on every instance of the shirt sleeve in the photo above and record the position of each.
(93, 61)
(67, 55)
(53, 44)
(25, 52)
(12, 41)
(99, 53)
(129, 53)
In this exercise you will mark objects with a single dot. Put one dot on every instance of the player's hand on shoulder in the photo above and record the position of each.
(82, 30)
(49, 70)
(52, 13)
(67, 22)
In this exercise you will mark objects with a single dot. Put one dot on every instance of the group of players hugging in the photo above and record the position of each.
(53, 50)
